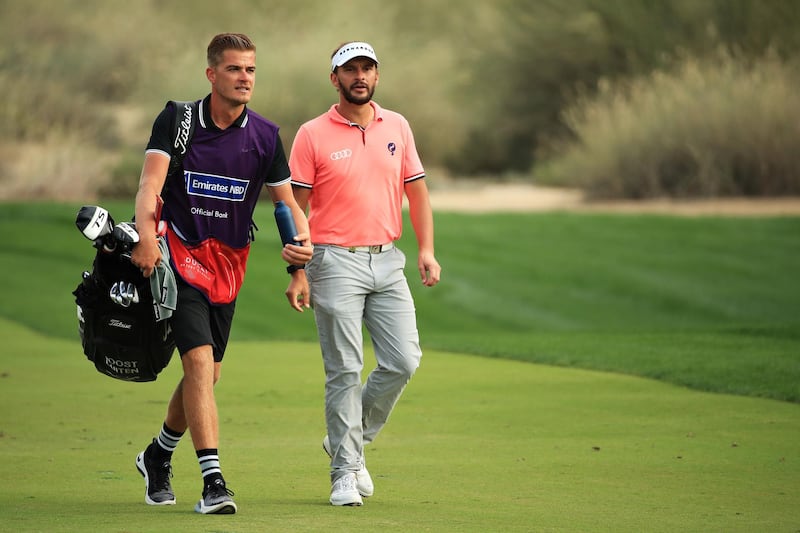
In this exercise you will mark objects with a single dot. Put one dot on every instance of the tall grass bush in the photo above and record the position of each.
(716, 127)
(482, 85)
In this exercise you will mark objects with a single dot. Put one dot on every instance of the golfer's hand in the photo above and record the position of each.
(429, 270)
(297, 292)
(146, 255)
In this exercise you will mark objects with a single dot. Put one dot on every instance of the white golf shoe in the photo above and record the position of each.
(344, 491)
(363, 480)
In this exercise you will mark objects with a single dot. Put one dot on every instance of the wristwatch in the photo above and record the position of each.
(291, 269)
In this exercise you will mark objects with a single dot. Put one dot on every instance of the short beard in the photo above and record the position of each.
(357, 101)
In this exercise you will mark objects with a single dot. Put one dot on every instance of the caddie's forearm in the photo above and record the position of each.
(154, 174)
(145, 210)
(300, 220)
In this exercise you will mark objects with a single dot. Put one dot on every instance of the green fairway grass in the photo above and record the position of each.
(708, 307)
(711, 303)
(477, 444)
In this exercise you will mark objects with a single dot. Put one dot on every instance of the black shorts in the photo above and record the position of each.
(196, 322)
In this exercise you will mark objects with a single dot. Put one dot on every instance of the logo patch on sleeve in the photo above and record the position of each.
(211, 186)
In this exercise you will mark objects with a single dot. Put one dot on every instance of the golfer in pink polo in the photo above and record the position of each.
(350, 168)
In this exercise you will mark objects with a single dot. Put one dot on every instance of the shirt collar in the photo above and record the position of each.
(334, 115)
(205, 116)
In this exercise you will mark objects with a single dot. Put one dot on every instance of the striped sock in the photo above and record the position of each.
(167, 442)
(209, 464)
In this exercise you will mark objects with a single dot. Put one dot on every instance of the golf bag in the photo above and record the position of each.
(116, 321)
(124, 330)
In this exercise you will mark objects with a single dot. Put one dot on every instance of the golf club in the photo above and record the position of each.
(96, 224)
(126, 236)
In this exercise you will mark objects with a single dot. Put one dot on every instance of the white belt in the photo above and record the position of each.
(374, 249)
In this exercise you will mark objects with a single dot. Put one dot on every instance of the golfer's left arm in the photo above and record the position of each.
(419, 209)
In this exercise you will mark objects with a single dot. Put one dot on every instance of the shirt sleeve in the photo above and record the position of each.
(301, 160)
(279, 170)
(160, 136)
(412, 164)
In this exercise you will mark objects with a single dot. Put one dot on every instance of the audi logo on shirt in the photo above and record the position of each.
(341, 154)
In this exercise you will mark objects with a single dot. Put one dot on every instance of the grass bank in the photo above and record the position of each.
(709, 303)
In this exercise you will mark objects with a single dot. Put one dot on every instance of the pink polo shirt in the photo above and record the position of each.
(356, 176)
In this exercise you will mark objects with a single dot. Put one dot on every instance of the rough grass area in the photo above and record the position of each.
(717, 127)
(75, 120)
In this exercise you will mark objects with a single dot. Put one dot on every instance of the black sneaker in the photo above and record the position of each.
(216, 499)
(156, 475)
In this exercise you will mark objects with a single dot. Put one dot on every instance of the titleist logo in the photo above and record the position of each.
(182, 138)
(117, 323)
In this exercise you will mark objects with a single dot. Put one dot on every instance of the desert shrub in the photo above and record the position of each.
(124, 181)
(717, 127)
(523, 61)
(483, 83)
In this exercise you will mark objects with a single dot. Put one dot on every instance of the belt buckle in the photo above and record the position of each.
(375, 249)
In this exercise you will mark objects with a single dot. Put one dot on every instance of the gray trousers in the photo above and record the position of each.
(348, 290)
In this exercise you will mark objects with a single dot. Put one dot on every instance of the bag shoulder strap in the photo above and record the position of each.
(183, 130)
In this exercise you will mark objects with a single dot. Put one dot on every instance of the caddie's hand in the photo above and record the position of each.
(297, 293)
(146, 255)
(429, 270)
(298, 255)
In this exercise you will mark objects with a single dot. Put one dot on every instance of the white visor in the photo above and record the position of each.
(349, 51)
